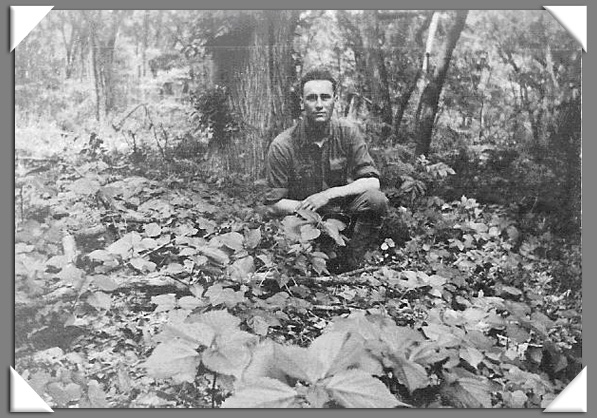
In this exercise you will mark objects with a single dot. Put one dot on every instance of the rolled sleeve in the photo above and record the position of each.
(277, 175)
(363, 164)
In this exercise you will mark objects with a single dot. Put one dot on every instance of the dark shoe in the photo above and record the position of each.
(364, 234)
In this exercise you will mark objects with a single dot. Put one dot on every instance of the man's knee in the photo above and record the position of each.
(371, 201)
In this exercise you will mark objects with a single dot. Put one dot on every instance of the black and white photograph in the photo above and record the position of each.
(298, 209)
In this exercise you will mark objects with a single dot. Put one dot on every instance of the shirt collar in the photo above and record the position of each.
(302, 135)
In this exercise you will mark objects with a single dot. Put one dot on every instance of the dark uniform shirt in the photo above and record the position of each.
(296, 167)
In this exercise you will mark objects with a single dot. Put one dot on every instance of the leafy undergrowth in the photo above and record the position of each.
(136, 292)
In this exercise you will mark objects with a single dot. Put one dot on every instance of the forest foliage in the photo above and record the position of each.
(147, 275)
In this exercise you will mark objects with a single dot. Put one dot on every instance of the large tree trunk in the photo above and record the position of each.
(255, 63)
(428, 104)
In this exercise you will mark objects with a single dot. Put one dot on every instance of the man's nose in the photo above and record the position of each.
(319, 103)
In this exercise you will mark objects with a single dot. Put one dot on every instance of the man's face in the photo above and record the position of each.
(318, 101)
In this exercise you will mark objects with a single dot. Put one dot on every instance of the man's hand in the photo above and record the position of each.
(315, 201)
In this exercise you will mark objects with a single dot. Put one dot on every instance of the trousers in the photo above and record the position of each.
(367, 207)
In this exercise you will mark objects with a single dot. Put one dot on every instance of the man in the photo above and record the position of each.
(322, 164)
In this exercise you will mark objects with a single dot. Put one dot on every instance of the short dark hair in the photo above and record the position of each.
(317, 74)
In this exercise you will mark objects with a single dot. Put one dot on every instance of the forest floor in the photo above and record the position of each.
(117, 267)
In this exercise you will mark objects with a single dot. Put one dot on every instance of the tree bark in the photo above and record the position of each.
(103, 29)
(375, 69)
(428, 104)
(255, 64)
(407, 94)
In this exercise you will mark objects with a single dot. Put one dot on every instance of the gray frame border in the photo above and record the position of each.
(7, 205)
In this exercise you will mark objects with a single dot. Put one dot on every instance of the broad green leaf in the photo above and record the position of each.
(474, 315)
(187, 251)
(38, 380)
(443, 335)
(153, 230)
(479, 340)
(469, 392)
(332, 227)
(185, 230)
(263, 364)
(85, 186)
(357, 324)
(335, 223)
(516, 399)
(428, 352)
(241, 269)
(173, 359)
(205, 224)
(230, 354)
(64, 393)
(232, 240)
(348, 294)
(517, 333)
(101, 255)
(126, 246)
(309, 232)
(215, 254)
(174, 268)
(190, 302)
(336, 351)
(220, 321)
(541, 322)
(57, 262)
(357, 389)
(252, 238)
(259, 325)
(297, 362)
(148, 244)
(264, 393)
(165, 302)
(100, 301)
(96, 395)
(195, 333)
(142, 265)
(71, 275)
(399, 338)
(319, 264)
(197, 290)
(410, 374)
(471, 355)
(317, 396)
(437, 281)
(509, 291)
(292, 227)
(218, 295)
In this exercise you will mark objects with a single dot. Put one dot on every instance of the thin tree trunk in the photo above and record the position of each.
(403, 104)
(103, 31)
(428, 104)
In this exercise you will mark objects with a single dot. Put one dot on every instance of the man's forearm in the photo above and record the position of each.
(314, 202)
(356, 187)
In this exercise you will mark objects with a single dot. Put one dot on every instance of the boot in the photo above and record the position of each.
(364, 234)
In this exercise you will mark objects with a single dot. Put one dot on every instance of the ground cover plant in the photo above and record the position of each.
(133, 291)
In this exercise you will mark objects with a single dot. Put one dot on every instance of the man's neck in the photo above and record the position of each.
(317, 133)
